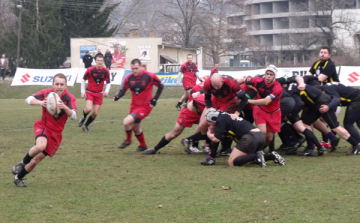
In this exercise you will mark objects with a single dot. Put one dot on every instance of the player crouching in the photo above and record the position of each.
(250, 140)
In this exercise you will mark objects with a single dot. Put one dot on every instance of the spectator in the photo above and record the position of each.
(87, 59)
(4, 63)
(107, 59)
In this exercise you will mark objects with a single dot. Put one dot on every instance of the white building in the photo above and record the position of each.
(293, 30)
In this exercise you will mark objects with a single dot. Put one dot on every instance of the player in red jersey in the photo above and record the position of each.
(96, 76)
(190, 71)
(215, 69)
(48, 130)
(188, 116)
(140, 82)
(267, 111)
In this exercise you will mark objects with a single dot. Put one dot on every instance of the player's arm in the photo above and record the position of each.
(322, 77)
(71, 113)
(31, 100)
(158, 93)
(108, 85)
(198, 76)
(261, 102)
(309, 74)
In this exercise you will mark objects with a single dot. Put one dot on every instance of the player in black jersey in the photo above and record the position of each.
(324, 69)
(321, 105)
(250, 140)
(293, 117)
(349, 97)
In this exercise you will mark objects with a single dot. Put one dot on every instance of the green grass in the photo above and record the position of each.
(91, 180)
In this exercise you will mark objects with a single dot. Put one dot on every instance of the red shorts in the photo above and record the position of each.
(229, 106)
(141, 112)
(188, 84)
(53, 138)
(187, 118)
(272, 120)
(96, 98)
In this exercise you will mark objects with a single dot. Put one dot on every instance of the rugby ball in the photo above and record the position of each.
(52, 102)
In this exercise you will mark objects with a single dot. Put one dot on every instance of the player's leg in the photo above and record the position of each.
(128, 122)
(96, 109)
(166, 139)
(350, 118)
(88, 108)
(29, 162)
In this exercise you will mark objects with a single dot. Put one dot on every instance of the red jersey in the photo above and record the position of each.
(199, 103)
(213, 71)
(273, 90)
(116, 58)
(56, 123)
(228, 90)
(96, 79)
(141, 87)
(246, 89)
(189, 70)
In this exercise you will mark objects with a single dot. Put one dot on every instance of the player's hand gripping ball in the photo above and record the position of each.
(52, 103)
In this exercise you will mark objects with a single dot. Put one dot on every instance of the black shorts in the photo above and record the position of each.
(313, 114)
(251, 142)
(294, 114)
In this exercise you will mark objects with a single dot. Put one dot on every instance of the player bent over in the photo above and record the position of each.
(188, 116)
(250, 140)
(96, 76)
(140, 82)
(48, 130)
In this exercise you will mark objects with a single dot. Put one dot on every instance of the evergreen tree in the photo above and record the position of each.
(88, 18)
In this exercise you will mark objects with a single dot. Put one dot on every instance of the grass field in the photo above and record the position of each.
(91, 180)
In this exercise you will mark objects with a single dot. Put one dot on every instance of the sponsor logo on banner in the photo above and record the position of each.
(353, 77)
(25, 76)
(169, 79)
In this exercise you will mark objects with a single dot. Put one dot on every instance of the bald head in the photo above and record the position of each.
(216, 81)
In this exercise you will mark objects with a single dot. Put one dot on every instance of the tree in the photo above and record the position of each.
(48, 25)
(179, 20)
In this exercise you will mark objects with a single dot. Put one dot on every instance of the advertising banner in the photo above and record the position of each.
(25, 76)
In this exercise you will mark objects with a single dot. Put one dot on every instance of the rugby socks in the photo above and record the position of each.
(128, 135)
(272, 145)
(89, 121)
(330, 136)
(352, 141)
(198, 136)
(214, 147)
(269, 156)
(27, 159)
(141, 139)
(241, 160)
(324, 137)
(311, 138)
(85, 115)
(22, 173)
(163, 142)
(195, 144)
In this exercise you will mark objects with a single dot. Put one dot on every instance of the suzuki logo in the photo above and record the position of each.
(353, 77)
(25, 78)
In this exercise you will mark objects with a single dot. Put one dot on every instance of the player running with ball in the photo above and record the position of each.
(48, 130)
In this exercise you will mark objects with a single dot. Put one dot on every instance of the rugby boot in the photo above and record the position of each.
(124, 144)
(19, 182)
(151, 151)
(207, 161)
(260, 159)
(140, 149)
(278, 159)
(17, 168)
(355, 150)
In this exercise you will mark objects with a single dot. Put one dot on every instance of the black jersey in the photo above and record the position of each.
(234, 128)
(327, 68)
(345, 93)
